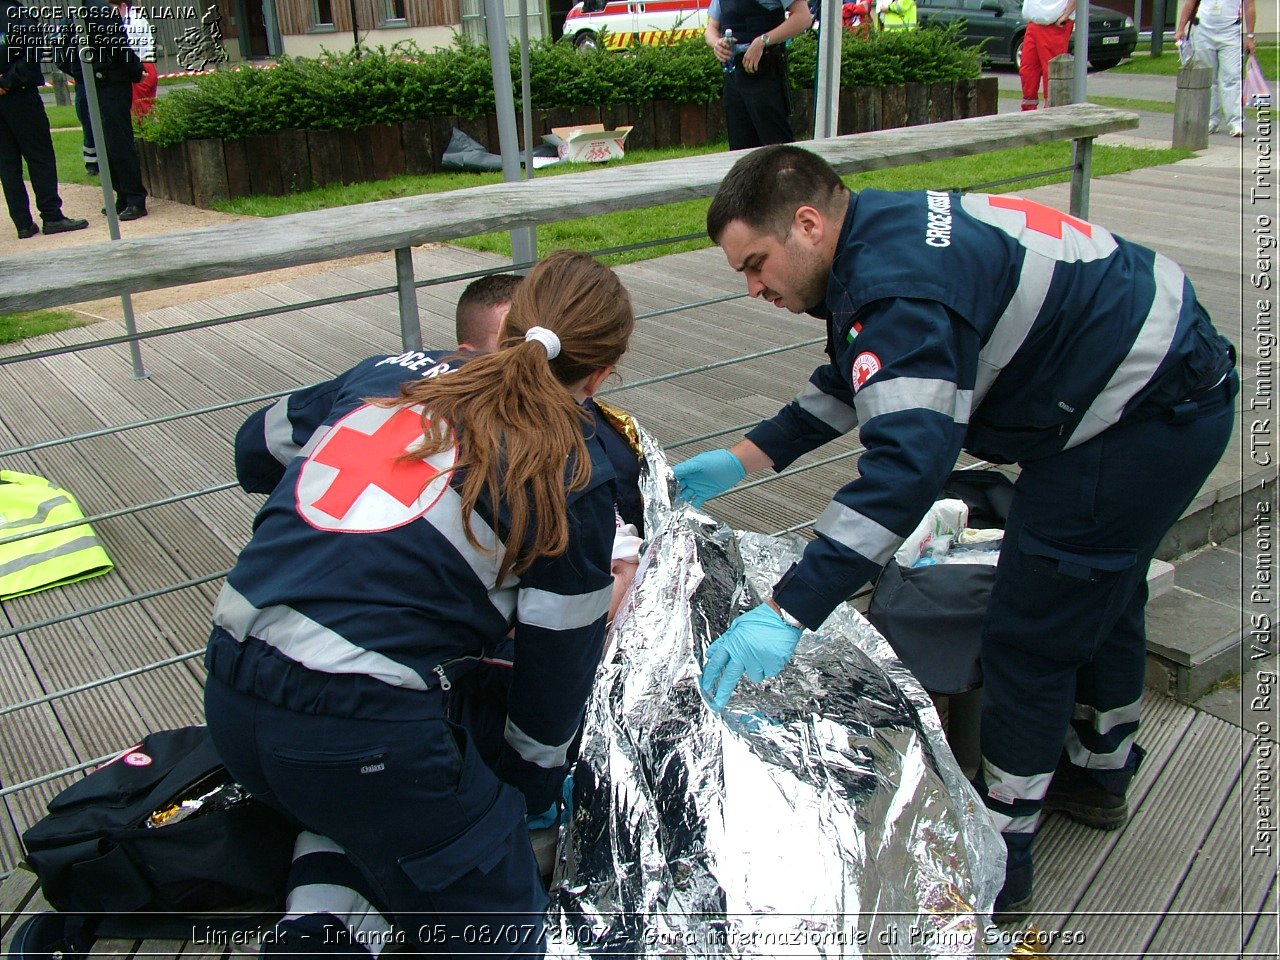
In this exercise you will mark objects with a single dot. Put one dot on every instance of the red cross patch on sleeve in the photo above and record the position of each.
(865, 366)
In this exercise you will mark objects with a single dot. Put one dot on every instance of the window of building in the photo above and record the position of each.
(393, 10)
(324, 12)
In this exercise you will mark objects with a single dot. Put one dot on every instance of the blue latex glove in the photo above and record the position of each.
(759, 643)
(543, 820)
(708, 475)
(552, 816)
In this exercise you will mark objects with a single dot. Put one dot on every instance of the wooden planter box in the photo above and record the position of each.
(201, 172)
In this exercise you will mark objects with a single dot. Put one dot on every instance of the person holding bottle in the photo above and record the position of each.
(749, 37)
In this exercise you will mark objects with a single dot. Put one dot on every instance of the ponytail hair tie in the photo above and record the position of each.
(545, 337)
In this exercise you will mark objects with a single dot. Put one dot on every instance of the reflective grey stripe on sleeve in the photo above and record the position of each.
(446, 517)
(40, 516)
(1104, 721)
(913, 393)
(61, 550)
(304, 641)
(314, 440)
(547, 756)
(835, 413)
(1145, 356)
(1011, 330)
(278, 431)
(560, 611)
(860, 534)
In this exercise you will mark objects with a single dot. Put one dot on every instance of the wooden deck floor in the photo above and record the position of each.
(1177, 882)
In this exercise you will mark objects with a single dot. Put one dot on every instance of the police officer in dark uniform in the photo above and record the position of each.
(101, 41)
(757, 95)
(24, 128)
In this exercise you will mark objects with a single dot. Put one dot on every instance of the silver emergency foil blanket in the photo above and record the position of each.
(821, 815)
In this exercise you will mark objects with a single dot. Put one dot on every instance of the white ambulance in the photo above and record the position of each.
(619, 23)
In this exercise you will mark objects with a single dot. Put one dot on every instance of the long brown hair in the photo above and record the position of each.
(516, 425)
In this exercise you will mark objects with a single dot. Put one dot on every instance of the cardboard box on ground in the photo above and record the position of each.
(589, 143)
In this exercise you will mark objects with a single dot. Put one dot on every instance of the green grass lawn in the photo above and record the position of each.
(19, 326)
(1168, 63)
(62, 116)
(68, 147)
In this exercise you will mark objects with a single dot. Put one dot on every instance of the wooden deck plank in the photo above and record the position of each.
(1068, 855)
(1224, 887)
(20, 897)
(1139, 880)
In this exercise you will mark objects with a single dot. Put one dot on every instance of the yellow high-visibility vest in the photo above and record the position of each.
(28, 563)
(899, 15)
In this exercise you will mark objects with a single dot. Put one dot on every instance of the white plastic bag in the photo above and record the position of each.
(945, 519)
(1254, 90)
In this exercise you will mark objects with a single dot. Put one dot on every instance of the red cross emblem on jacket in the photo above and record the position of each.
(355, 480)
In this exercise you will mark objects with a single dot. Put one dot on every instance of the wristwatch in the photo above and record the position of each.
(764, 38)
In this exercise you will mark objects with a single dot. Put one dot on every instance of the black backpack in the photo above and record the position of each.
(933, 616)
(161, 830)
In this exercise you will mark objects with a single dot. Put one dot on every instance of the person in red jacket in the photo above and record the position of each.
(142, 41)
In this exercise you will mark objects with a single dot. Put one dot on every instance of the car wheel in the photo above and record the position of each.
(1017, 52)
(1105, 64)
(586, 40)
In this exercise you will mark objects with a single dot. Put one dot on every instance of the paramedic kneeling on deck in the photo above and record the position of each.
(1024, 335)
(412, 536)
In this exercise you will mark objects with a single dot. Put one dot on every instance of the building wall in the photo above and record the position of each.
(311, 44)
(300, 17)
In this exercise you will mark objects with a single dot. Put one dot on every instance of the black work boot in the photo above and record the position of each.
(1089, 797)
(1013, 903)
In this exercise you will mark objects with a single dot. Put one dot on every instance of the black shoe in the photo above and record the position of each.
(1073, 792)
(46, 936)
(1013, 903)
(65, 225)
(133, 212)
(91, 169)
(27, 232)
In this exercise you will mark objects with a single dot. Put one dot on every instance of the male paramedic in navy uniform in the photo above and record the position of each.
(1009, 329)
(757, 95)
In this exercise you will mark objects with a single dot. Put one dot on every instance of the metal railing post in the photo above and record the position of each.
(407, 298)
(826, 104)
(90, 82)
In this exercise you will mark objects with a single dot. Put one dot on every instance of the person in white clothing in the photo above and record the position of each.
(1216, 42)
(1049, 26)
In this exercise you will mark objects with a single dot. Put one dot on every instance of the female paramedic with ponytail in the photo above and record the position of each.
(418, 526)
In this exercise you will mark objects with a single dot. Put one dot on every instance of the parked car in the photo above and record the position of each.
(616, 23)
(999, 24)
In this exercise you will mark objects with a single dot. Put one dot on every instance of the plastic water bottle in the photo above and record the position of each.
(731, 64)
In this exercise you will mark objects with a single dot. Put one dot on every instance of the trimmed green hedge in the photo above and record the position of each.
(340, 91)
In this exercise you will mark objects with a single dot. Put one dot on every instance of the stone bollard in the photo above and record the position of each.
(1191, 106)
(61, 95)
(1062, 78)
